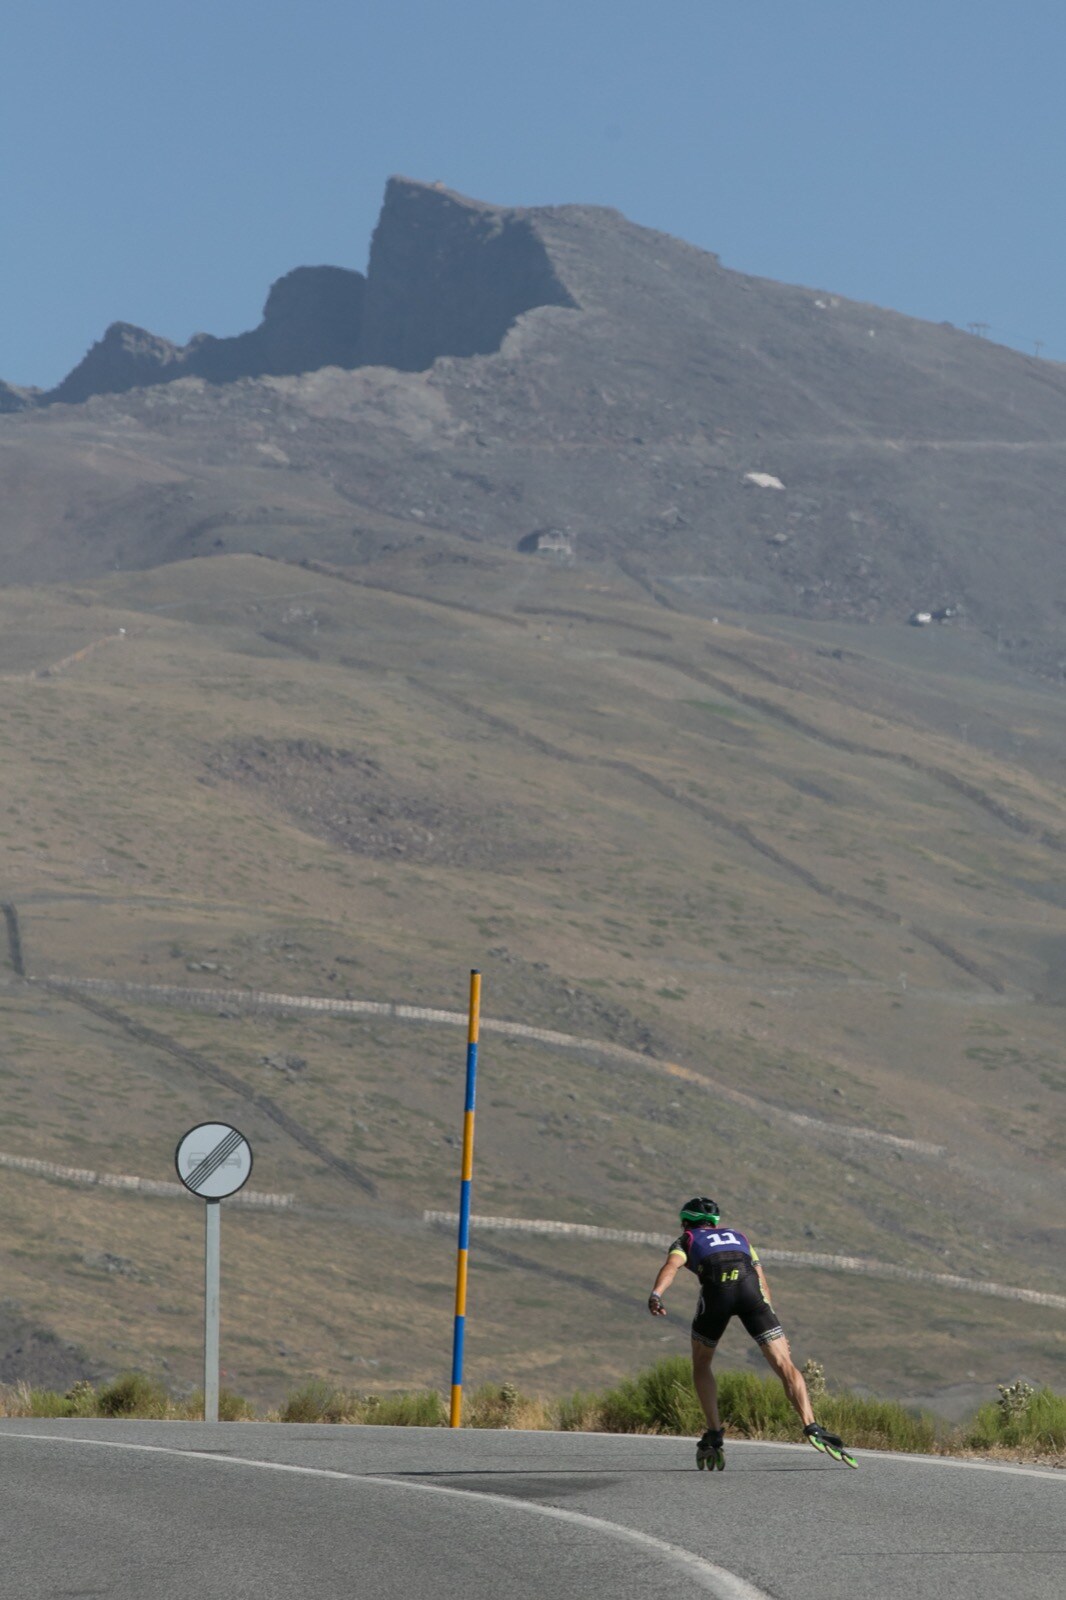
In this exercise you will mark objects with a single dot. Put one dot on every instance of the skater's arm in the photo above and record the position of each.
(667, 1273)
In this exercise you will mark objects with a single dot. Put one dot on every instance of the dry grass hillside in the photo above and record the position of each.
(804, 882)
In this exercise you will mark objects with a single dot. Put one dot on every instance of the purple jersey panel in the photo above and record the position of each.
(704, 1244)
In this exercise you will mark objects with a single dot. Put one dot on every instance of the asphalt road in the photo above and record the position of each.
(165, 1511)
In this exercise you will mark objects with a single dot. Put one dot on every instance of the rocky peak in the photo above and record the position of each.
(312, 319)
(125, 358)
(448, 276)
(15, 398)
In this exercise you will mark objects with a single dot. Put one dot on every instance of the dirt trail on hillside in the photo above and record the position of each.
(1014, 820)
(88, 1177)
(228, 1080)
(14, 939)
(56, 667)
(259, 1000)
(723, 821)
(811, 1260)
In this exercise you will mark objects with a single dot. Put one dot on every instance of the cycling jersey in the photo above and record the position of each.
(725, 1262)
(701, 1246)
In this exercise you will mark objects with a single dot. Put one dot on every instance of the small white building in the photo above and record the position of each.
(547, 542)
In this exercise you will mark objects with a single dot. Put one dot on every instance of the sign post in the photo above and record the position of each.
(213, 1161)
(212, 1307)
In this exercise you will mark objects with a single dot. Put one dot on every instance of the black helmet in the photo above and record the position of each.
(700, 1212)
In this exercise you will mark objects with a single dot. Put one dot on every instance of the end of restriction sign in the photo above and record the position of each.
(213, 1160)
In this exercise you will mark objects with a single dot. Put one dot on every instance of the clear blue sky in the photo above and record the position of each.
(164, 160)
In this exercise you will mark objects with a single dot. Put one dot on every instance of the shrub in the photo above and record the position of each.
(493, 1407)
(755, 1406)
(231, 1407)
(659, 1400)
(878, 1424)
(47, 1403)
(576, 1413)
(425, 1410)
(81, 1397)
(662, 1400)
(1034, 1421)
(1014, 1399)
(24, 1401)
(814, 1377)
(317, 1401)
(234, 1407)
(132, 1394)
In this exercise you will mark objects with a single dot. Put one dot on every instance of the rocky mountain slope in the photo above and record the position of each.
(731, 442)
(446, 277)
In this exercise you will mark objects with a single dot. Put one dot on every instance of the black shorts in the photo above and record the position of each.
(733, 1291)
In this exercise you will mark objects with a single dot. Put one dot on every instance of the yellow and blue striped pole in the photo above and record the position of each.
(464, 1201)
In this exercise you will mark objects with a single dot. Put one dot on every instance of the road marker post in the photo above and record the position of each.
(213, 1161)
(463, 1252)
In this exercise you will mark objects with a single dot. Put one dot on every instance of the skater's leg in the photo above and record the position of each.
(779, 1356)
(704, 1380)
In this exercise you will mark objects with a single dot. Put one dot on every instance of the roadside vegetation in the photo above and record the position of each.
(130, 1394)
(1022, 1422)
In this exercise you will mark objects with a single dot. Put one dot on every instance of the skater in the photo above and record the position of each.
(732, 1283)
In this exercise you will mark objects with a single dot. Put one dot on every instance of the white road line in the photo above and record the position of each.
(718, 1581)
(911, 1458)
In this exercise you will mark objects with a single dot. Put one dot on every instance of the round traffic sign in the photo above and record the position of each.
(213, 1160)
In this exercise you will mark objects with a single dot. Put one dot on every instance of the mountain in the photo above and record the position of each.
(447, 277)
(731, 441)
(557, 628)
(311, 319)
